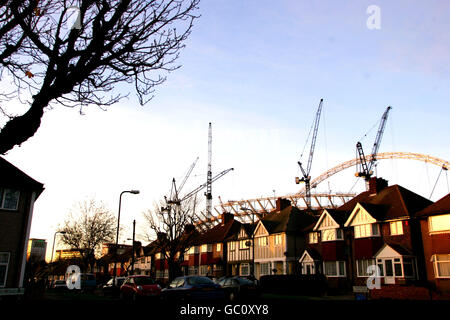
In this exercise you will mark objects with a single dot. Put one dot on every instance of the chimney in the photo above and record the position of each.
(376, 185)
(227, 217)
(282, 204)
(188, 228)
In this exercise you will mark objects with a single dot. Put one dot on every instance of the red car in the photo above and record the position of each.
(137, 287)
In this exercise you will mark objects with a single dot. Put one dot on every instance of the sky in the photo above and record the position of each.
(257, 70)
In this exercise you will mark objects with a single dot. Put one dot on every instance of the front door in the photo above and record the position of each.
(389, 271)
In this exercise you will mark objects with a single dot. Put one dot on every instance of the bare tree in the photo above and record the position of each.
(75, 52)
(173, 225)
(87, 227)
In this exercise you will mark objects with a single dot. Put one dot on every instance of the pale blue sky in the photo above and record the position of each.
(257, 70)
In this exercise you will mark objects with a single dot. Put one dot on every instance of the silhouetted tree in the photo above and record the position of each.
(86, 228)
(75, 52)
(173, 225)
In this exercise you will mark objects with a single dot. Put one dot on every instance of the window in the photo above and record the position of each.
(245, 269)
(398, 268)
(408, 267)
(442, 265)
(206, 248)
(204, 270)
(396, 228)
(244, 244)
(313, 237)
(366, 230)
(193, 250)
(9, 199)
(193, 271)
(380, 267)
(264, 269)
(362, 265)
(263, 241)
(4, 262)
(218, 247)
(439, 223)
(332, 235)
(278, 239)
(334, 268)
(232, 245)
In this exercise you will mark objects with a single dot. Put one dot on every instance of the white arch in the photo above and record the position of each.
(380, 156)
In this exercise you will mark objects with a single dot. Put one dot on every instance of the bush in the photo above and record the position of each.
(307, 285)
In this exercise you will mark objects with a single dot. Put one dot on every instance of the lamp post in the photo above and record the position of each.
(253, 240)
(53, 249)
(133, 247)
(117, 233)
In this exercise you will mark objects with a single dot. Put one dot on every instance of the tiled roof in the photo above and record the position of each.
(219, 232)
(439, 207)
(390, 203)
(290, 219)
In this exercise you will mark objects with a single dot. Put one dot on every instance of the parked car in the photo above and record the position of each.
(240, 288)
(59, 285)
(88, 282)
(192, 288)
(113, 290)
(138, 287)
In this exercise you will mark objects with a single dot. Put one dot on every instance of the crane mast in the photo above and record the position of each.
(208, 192)
(366, 167)
(306, 177)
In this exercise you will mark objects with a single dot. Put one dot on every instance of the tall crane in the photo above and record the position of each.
(306, 177)
(193, 192)
(174, 192)
(208, 192)
(366, 167)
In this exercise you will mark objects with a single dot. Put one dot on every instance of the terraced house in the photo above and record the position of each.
(240, 251)
(279, 239)
(435, 226)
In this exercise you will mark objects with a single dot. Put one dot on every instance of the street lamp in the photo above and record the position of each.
(132, 251)
(253, 239)
(53, 249)
(117, 234)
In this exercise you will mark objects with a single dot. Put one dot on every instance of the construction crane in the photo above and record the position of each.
(208, 192)
(174, 192)
(306, 177)
(218, 176)
(366, 167)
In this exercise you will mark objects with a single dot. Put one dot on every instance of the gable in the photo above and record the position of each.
(305, 257)
(260, 230)
(359, 216)
(326, 221)
(387, 252)
(242, 233)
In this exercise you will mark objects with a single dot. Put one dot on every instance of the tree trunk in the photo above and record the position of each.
(19, 129)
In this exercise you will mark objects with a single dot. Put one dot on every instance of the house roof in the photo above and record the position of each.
(439, 207)
(16, 178)
(312, 253)
(290, 219)
(339, 216)
(248, 228)
(220, 232)
(390, 203)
